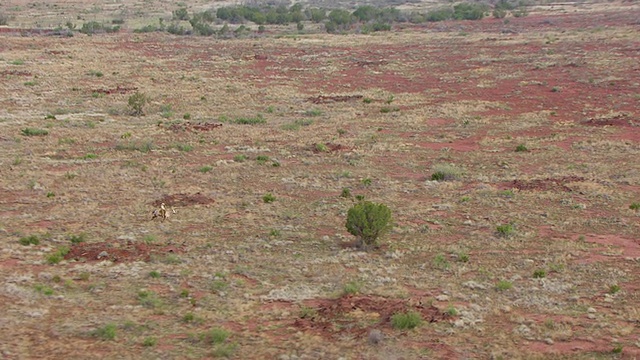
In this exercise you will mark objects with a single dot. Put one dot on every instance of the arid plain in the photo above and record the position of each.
(531, 249)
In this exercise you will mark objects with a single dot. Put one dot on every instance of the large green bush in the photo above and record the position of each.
(368, 221)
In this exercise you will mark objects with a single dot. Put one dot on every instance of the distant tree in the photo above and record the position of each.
(181, 14)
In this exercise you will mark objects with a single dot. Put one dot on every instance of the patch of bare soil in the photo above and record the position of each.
(117, 251)
(15, 73)
(184, 200)
(548, 184)
(357, 314)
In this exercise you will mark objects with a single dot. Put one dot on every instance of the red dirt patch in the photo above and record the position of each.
(322, 99)
(547, 184)
(334, 317)
(116, 251)
(187, 126)
(184, 200)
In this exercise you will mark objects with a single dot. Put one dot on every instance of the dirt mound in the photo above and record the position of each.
(618, 120)
(116, 251)
(548, 184)
(334, 317)
(322, 99)
(184, 200)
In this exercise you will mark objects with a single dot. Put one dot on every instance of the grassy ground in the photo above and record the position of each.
(529, 248)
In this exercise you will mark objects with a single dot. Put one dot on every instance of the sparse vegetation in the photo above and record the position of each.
(521, 148)
(57, 255)
(539, 274)
(406, 320)
(505, 230)
(107, 332)
(445, 172)
(268, 198)
(34, 132)
(29, 240)
(503, 285)
(635, 206)
(351, 288)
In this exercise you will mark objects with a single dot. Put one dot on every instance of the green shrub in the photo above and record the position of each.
(261, 159)
(144, 147)
(58, 255)
(214, 336)
(406, 320)
(76, 239)
(205, 169)
(240, 158)
(149, 341)
(351, 288)
(505, 230)
(445, 172)
(268, 198)
(614, 288)
(635, 206)
(107, 332)
(368, 221)
(346, 193)
(258, 119)
(34, 132)
(136, 104)
(504, 285)
(539, 274)
(521, 148)
(29, 240)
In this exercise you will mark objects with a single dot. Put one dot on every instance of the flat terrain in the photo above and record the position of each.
(532, 253)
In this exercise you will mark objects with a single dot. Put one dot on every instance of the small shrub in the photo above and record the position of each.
(214, 336)
(351, 288)
(43, 289)
(503, 285)
(368, 221)
(261, 159)
(50, 194)
(346, 193)
(463, 257)
(154, 274)
(367, 100)
(297, 124)
(188, 317)
(76, 239)
(406, 320)
(307, 312)
(313, 112)
(136, 104)
(268, 198)
(90, 156)
(451, 311)
(250, 120)
(617, 349)
(539, 274)
(149, 299)
(320, 147)
(505, 230)
(614, 288)
(58, 255)
(635, 206)
(184, 147)
(149, 341)
(186, 116)
(29, 240)
(240, 158)
(445, 172)
(107, 332)
(34, 132)
(440, 262)
(521, 148)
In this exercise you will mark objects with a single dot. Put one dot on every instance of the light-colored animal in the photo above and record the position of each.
(162, 212)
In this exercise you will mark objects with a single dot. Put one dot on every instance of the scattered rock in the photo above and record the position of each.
(549, 341)
(375, 336)
(591, 310)
(102, 255)
(442, 297)
(474, 285)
